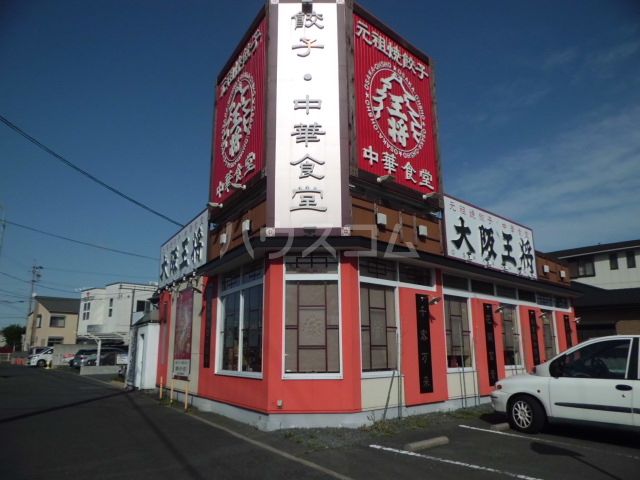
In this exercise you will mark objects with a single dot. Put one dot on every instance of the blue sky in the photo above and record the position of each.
(538, 110)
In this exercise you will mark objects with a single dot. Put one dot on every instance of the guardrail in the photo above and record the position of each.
(5, 357)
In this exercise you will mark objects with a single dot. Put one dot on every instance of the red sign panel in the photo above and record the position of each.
(238, 153)
(395, 113)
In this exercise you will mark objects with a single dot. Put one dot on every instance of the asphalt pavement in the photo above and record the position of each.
(56, 424)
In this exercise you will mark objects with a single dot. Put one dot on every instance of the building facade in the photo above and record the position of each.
(53, 321)
(112, 309)
(340, 284)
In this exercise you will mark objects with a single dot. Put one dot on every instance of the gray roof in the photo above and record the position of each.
(599, 248)
(60, 304)
(599, 297)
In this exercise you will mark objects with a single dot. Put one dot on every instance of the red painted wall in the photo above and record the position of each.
(408, 322)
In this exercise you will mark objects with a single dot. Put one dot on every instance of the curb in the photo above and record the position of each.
(426, 444)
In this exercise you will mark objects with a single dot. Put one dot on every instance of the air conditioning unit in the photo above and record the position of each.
(545, 268)
(223, 239)
(422, 231)
(246, 226)
(563, 274)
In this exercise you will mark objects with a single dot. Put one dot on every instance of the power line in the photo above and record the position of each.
(84, 172)
(41, 286)
(79, 241)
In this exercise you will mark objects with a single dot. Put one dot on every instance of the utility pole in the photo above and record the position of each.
(35, 276)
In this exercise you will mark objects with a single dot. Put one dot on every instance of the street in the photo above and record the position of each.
(56, 424)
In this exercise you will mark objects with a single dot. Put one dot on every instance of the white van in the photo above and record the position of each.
(40, 357)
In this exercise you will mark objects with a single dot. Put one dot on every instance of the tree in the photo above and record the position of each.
(13, 335)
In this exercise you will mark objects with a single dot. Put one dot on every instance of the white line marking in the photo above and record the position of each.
(455, 462)
(551, 442)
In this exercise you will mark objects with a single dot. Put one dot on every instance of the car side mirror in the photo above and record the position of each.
(556, 368)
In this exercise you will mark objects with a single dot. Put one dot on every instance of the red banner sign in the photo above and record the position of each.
(395, 113)
(238, 153)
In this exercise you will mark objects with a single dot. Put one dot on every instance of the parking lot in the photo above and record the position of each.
(56, 424)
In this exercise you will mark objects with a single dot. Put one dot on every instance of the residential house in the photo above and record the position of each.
(608, 279)
(52, 321)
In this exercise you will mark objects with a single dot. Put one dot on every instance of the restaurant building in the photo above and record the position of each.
(340, 284)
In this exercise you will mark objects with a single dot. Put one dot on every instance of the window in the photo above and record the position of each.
(312, 327)
(549, 337)
(562, 302)
(312, 315)
(458, 332)
(241, 319)
(86, 310)
(581, 267)
(51, 341)
(110, 307)
(140, 304)
(507, 292)
(375, 268)
(415, 275)
(38, 321)
(510, 336)
(57, 321)
(482, 287)
(631, 259)
(606, 359)
(613, 261)
(526, 295)
(543, 299)
(378, 328)
(208, 321)
(451, 281)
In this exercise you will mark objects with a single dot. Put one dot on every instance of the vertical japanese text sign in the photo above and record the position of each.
(395, 118)
(238, 153)
(307, 153)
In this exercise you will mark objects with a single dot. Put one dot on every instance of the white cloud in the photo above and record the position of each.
(559, 58)
(615, 54)
(579, 188)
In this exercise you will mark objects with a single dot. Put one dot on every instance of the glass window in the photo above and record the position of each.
(452, 281)
(606, 359)
(375, 268)
(416, 275)
(110, 307)
(582, 267)
(312, 331)
(241, 318)
(39, 321)
(507, 292)
(86, 310)
(458, 332)
(526, 295)
(51, 341)
(140, 304)
(510, 336)
(543, 299)
(562, 302)
(378, 328)
(57, 321)
(315, 263)
(631, 259)
(482, 287)
(613, 261)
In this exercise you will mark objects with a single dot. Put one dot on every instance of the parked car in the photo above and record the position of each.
(90, 354)
(108, 357)
(596, 381)
(40, 356)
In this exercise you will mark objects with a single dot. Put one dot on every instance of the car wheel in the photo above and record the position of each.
(41, 364)
(526, 414)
